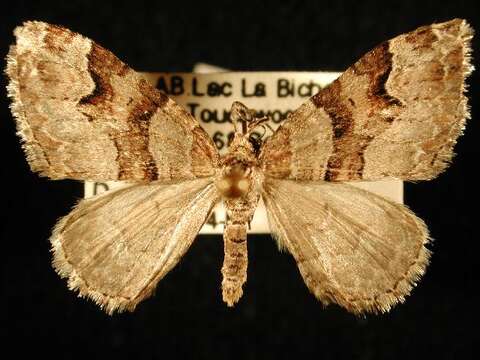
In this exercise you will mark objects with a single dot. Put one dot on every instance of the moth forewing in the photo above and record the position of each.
(83, 114)
(396, 113)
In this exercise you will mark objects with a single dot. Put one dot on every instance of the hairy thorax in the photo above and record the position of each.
(237, 176)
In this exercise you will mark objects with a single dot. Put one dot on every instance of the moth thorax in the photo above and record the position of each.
(234, 184)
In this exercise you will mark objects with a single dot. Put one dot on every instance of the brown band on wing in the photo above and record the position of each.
(342, 158)
(136, 139)
(349, 144)
(378, 67)
(56, 37)
(133, 155)
(101, 65)
(423, 37)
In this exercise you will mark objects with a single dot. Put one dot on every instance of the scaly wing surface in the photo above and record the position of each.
(114, 248)
(352, 247)
(396, 113)
(83, 114)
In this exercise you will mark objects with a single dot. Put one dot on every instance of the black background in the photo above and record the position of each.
(277, 317)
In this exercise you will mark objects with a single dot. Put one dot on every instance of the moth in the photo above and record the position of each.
(396, 113)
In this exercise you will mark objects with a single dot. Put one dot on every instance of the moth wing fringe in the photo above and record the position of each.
(75, 282)
(33, 153)
(445, 158)
(380, 303)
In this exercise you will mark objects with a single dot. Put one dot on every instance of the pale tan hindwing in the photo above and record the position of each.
(114, 248)
(352, 247)
(83, 114)
(397, 112)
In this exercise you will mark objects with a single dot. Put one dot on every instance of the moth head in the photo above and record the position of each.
(245, 121)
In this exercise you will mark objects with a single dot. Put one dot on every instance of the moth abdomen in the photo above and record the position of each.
(235, 263)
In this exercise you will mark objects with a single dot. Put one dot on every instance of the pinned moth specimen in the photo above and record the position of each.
(396, 113)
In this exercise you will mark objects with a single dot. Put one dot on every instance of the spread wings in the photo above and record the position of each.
(114, 248)
(83, 114)
(397, 112)
(352, 247)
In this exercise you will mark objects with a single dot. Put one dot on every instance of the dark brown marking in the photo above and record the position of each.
(378, 88)
(153, 95)
(423, 37)
(256, 143)
(101, 92)
(88, 116)
(102, 65)
(377, 64)
(454, 59)
(437, 71)
(136, 139)
(238, 240)
(342, 123)
(236, 255)
(347, 158)
(132, 145)
(434, 159)
(57, 37)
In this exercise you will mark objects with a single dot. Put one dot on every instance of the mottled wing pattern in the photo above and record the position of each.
(352, 247)
(397, 112)
(114, 248)
(83, 114)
